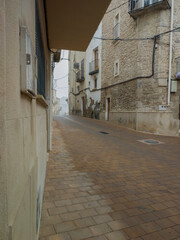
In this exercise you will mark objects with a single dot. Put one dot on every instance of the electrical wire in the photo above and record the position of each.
(61, 77)
(129, 80)
(140, 77)
(65, 59)
(116, 7)
(137, 39)
(163, 33)
(59, 88)
(124, 39)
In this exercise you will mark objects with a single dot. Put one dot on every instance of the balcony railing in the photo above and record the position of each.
(138, 7)
(116, 31)
(94, 67)
(80, 76)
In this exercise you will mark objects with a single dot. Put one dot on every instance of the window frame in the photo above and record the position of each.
(116, 23)
(116, 73)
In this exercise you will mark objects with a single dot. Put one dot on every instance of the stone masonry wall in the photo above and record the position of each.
(143, 95)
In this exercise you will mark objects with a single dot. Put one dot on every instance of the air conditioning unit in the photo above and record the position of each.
(178, 68)
(28, 63)
(173, 86)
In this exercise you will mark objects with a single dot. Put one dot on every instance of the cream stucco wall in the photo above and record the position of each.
(23, 128)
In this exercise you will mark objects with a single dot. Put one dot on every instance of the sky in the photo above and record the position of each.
(61, 76)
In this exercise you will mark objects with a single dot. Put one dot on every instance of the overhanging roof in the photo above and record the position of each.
(71, 24)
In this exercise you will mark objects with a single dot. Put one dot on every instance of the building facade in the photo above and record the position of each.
(30, 40)
(77, 83)
(136, 66)
(24, 117)
(84, 96)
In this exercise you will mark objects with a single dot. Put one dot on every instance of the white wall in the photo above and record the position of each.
(96, 96)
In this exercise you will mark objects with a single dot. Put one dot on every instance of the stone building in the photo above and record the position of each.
(139, 85)
(85, 79)
(30, 37)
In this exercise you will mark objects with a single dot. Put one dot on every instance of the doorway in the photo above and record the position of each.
(108, 107)
(96, 61)
(83, 109)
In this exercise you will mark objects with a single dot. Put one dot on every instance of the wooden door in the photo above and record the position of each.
(83, 107)
(96, 53)
(109, 107)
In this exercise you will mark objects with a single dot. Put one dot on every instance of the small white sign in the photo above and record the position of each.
(162, 107)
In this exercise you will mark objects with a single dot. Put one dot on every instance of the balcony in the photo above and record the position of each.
(139, 7)
(116, 31)
(94, 67)
(80, 76)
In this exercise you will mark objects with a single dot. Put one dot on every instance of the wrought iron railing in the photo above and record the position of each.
(140, 4)
(80, 76)
(94, 67)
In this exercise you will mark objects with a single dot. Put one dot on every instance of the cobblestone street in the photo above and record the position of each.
(104, 184)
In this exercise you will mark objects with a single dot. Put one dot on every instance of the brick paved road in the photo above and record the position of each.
(110, 187)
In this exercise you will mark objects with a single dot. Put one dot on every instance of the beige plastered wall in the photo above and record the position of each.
(75, 102)
(23, 128)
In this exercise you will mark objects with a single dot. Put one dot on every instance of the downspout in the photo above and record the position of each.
(170, 52)
(50, 108)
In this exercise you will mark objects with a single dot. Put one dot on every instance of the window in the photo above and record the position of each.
(28, 64)
(138, 4)
(94, 65)
(117, 26)
(116, 68)
(95, 82)
(82, 69)
(78, 88)
(96, 54)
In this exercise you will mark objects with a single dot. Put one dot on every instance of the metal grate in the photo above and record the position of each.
(41, 82)
(150, 141)
(104, 133)
(94, 67)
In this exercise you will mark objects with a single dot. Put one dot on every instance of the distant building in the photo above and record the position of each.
(77, 76)
(85, 79)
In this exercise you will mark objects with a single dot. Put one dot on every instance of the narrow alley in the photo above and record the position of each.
(103, 183)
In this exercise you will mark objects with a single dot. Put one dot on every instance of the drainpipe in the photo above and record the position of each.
(50, 104)
(170, 52)
(50, 117)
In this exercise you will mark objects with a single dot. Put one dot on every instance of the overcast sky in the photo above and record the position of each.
(61, 76)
